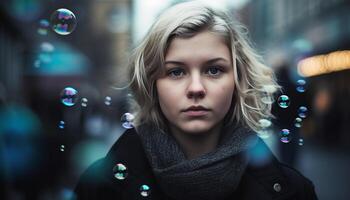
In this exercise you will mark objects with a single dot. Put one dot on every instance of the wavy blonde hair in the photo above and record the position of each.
(254, 82)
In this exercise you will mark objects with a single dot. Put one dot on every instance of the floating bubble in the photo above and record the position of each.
(297, 122)
(62, 147)
(43, 26)
(127, 120)
(61, 124)
(301, 142)
(265, 131)
(108, 100)
(285, 136)
(302, 112)
(145, 190)
(47, 47)
(283, 101)
(301, 85)
(69, 96)
(84, 102)
(120, 171)
(265, 123)
(63, 21)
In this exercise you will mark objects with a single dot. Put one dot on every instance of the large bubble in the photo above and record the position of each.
(63, 21)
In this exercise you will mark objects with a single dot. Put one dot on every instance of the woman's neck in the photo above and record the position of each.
(195, 145)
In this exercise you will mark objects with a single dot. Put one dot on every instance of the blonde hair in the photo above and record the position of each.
(253, 80)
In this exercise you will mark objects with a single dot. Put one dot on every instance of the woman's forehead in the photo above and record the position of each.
(206, 45)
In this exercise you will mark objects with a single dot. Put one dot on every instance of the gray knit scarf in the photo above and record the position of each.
(214, 175)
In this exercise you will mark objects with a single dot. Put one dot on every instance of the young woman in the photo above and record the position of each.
(198, 88)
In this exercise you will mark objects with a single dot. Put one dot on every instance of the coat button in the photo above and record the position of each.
(277, 187)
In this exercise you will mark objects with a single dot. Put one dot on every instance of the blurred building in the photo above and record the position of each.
(38, 155)
(286, 32)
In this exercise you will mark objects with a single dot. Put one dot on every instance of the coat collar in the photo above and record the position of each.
(264, 172)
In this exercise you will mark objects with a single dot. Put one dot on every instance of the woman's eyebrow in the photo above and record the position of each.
(207, 62)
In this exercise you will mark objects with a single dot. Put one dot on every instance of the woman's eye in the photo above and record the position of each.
(214, 71)
(176, 73)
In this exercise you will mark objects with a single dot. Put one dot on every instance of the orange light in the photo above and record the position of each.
(323, 64)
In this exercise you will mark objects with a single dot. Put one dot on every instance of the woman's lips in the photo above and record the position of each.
(196, 113)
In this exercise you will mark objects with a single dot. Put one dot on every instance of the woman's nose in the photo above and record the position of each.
(196, 88)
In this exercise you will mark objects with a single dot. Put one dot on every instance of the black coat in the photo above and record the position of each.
(272, 180)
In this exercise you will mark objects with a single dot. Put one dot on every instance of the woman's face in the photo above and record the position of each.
(198, 73)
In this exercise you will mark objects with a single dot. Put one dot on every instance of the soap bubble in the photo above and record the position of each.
(69, 96)
(108, 100)
(84, 102)
(297, 122)
(301, 142)
(265, 130)
(43, 26)
(63, 21)
(127, 120)
(283, 101)
(120, 171)
(301, 85)
(145, 190)
(285, 136)
(61, 124)
(302, 112)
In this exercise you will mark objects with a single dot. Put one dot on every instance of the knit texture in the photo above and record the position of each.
(214, 175)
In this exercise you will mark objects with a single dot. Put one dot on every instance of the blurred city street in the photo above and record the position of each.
(328, 168)
(64, 100)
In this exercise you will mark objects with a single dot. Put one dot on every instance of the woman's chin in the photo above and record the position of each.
(196, 128)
